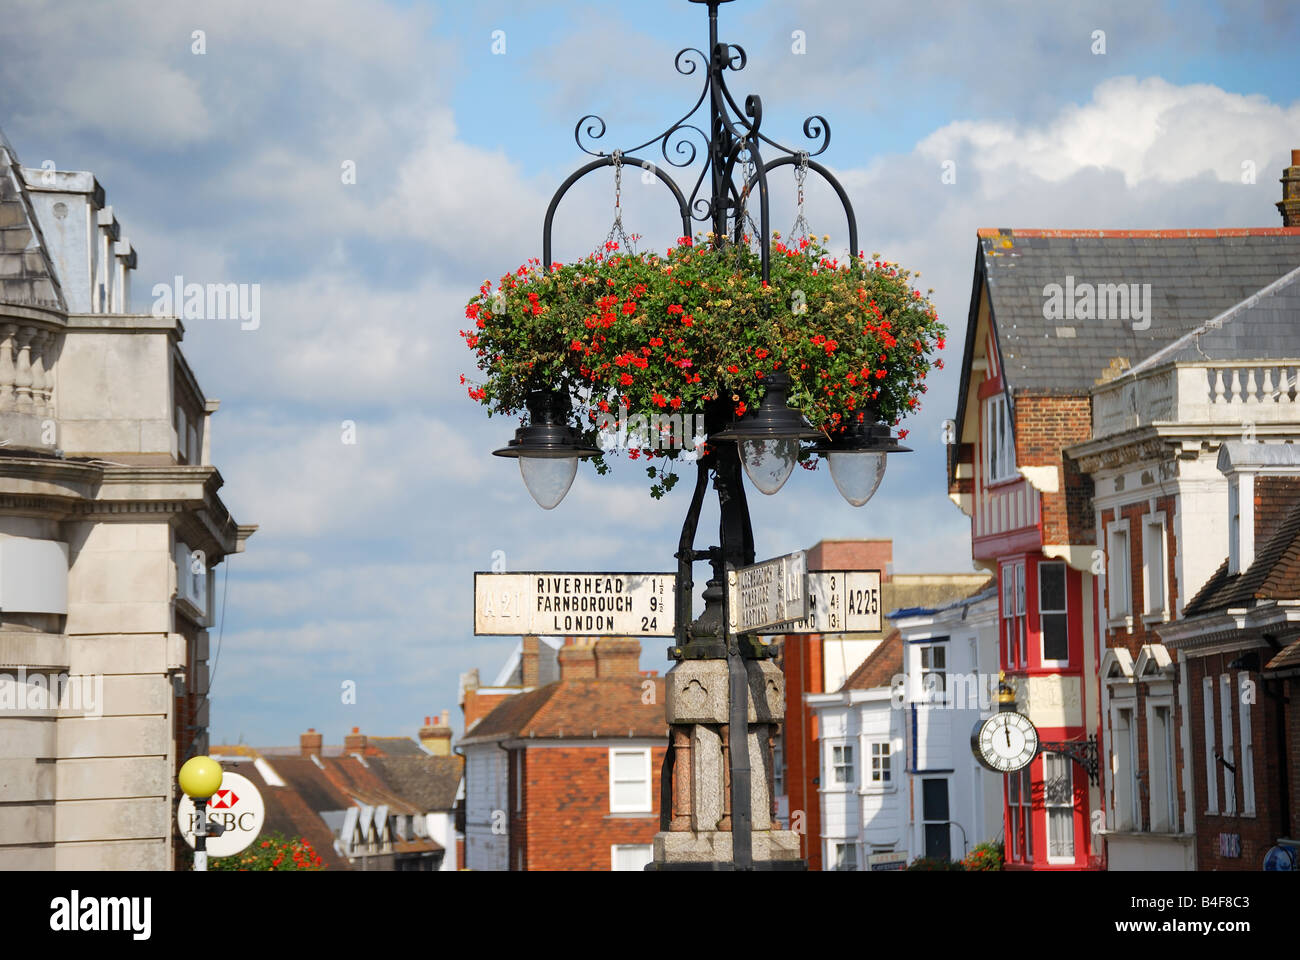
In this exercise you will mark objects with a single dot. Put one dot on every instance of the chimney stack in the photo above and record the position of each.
(354, 742)
(436, 737)
(619, 657)
(310, 743)
(577, 662)
(528, 662)
(1289, 205)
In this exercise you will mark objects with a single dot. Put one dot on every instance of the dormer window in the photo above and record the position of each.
(999, 441)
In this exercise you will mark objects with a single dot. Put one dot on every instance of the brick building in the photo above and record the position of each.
(1086, 432)
(1240, 643)
(565, 776)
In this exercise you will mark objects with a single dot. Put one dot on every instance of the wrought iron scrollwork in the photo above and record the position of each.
(1082, 752)
(731, 129)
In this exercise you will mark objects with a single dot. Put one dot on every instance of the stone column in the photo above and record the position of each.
(696, 704)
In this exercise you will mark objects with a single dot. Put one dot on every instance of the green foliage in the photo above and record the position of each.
(675, 334)
(985, 856)
(271, 851)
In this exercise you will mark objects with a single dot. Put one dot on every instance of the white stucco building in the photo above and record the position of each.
(110, 529)
(897, 774)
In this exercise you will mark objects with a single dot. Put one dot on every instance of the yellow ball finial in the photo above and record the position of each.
(200, 777)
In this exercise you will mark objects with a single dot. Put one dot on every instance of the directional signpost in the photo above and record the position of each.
(839, 601)
(766, 594)
(575, 604)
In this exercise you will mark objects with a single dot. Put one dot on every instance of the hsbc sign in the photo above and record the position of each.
(237, 806)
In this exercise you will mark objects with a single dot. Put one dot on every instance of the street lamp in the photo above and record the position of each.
(769, 437)
(200, 778)
(857, 459)
(548, 449)
(766, 442)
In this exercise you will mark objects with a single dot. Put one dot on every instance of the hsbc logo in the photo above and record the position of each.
(223, 800)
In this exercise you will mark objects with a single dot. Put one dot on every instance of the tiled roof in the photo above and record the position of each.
(364, 785)
(1287, 659)
(288, 812)
(879, 669)
(427, 783)
(1275, 574)
(27, 276)
(577, 709)
(1194, 275)
(395, 747)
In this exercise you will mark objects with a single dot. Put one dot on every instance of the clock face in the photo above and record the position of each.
(1005, 742)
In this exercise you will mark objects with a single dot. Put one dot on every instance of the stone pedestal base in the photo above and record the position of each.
(714, 846)
(696, 820)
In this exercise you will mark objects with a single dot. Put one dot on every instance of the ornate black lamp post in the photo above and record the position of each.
(766, 441)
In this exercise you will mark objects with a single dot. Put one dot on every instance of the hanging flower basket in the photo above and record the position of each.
(644, 334)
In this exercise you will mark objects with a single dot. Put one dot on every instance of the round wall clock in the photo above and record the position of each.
(1004, 742)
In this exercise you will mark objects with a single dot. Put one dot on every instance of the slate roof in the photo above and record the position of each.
(289, 813)
(879, 669)
(1275, 574)
(1264, 326)
(27, 276)
(428, 783)
(1194, 276)
(577, 709)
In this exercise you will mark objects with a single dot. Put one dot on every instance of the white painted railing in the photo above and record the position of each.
(1213, 392)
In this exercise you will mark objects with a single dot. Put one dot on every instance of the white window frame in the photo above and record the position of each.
(1247, 764)
(1119, 575)
(1021, 615)
(1225, 721)
(645, 806)
(1009, 640)
(834, 765)
(1155, 531)
(852, 848)
(1065, 593)
(1211, 747)
(1124, 725)
(615, 848)
(999, 441)
(1162, 781)
(886, 766)
(925, 651)
(1049, 807)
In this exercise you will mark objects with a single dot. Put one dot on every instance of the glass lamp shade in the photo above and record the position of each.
(769, 462)
(857, 474)
(548, 478)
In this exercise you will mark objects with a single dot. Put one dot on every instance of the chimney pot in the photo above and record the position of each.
(309, 744)
(1295, 158)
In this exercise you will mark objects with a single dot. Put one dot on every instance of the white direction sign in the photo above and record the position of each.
(237, 806)
(769, 593)
(840, 601)
(575, 604)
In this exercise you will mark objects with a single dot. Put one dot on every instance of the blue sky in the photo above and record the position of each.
(225, 167)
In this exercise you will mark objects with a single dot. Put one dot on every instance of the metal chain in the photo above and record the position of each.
(743, 217)
(801, 226)
(616, 232)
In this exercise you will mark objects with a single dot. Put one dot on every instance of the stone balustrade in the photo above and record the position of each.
(1230, 393)
(28, 354)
